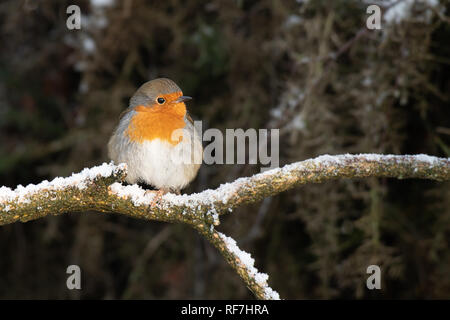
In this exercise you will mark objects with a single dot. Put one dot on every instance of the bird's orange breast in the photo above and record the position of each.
(157, 122)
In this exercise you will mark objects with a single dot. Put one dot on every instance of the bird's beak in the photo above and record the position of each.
(182, 99)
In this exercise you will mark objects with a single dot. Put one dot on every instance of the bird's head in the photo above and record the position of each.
(159, 93)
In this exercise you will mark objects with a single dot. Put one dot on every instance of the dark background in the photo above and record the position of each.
(309, 68)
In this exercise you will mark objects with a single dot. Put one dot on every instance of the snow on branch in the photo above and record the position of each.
(101, 189)
(242, 262)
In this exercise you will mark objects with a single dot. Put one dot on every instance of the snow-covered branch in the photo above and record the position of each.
(242, 262)
(100, 189)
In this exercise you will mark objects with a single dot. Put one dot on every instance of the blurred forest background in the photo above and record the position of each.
(310, 68)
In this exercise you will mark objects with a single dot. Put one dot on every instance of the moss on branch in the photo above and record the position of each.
(100, 189)
(105, 193)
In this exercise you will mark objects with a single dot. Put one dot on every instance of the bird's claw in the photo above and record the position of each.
(158, 196)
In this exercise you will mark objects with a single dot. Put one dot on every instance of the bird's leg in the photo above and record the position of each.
(158, 196)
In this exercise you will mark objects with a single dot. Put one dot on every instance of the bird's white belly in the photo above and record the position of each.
(162, 164)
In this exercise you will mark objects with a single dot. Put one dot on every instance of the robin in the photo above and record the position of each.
(157, 139)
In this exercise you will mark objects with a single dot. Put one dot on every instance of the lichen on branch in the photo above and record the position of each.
(101, 189)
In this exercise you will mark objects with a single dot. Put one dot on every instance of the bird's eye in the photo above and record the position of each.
(161, 100)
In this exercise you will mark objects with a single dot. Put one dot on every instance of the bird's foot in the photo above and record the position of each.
(158, 196)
